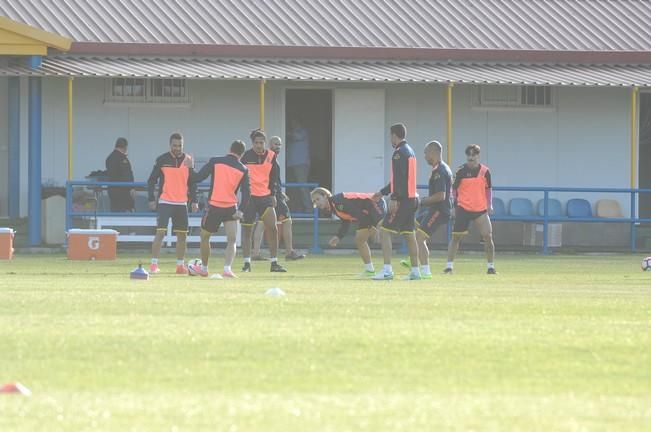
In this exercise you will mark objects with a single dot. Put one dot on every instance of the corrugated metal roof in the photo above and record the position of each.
(570, 25)
(341, 71)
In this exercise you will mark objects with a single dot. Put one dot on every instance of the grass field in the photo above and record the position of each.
(549, 344)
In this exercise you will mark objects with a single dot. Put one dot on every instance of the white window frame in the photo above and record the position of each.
(481, 102)
(147, 99)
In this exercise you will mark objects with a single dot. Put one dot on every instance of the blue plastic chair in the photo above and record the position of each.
(554, 207)
(579, 208)
(499, 208)
(521, 207)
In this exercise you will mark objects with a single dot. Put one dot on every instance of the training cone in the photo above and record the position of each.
(275, 292)
(139, 273)
(15, 388)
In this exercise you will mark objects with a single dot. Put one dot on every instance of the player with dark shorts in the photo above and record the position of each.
(265, 186)
(400, 219)
(285, 224)
(228, 175)
(473, 195)
(172, 172)
(353, 207)
(434, 209)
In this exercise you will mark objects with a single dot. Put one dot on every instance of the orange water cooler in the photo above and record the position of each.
(6, 243)
(88, 244)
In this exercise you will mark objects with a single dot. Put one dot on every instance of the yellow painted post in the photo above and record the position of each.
(262, 85)
(449, 150)
(70, 158)
(633, 135)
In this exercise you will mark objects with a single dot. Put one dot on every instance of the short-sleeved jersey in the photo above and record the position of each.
(350, 207)
(403, 173)
(263, 172)
(173, 178)
(440, 180)
(228, 176)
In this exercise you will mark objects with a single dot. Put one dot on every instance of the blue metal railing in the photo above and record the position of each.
(103, 185)
(546, 219)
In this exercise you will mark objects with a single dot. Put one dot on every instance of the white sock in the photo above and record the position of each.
(369, 267)
(491, 265)
(387, 268)
(154, 260)
(247, 259)
(425, 269)
(180, 262)
(227, 269)
(415, 270)
(274, 260)
(204, 268)
(450, 264)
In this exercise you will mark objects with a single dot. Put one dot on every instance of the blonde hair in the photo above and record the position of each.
(321, 191)
(275, 138)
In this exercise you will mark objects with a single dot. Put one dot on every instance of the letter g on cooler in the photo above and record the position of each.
(93, 243)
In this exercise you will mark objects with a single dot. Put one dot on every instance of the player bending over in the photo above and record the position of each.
(353, 207)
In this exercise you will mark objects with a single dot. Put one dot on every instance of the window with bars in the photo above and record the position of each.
(141, 90)
(515, 96)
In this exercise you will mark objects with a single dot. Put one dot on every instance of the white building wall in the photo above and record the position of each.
(582, 142)
(220, 112)
(4, 147)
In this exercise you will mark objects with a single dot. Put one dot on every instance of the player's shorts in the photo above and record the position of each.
(462, 219)
(282, 210)
(178, 214)
(213, 217)
(428, 219)
(404, 219)
(257, 206)
(374, 212)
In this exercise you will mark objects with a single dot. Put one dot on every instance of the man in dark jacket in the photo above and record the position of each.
(118, 169)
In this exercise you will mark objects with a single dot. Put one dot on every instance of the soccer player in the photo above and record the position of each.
(400, 218)
(434, 210)
(175, 190)
(283, 215)
(265, 187)
(228, 176)
(353, 207)
(473, 196)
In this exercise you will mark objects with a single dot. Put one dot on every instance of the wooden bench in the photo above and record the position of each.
(150, 221)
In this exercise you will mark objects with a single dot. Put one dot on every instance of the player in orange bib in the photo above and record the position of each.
(473, 196)
(265, 187)
(401, 214)
(228, 176)
(353, 207)
(172, 172)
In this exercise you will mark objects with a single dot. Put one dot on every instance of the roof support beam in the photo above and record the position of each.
(14, 147)
(35, 174)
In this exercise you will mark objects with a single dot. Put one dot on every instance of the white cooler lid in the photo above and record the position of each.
(6, 230)
(93, 231)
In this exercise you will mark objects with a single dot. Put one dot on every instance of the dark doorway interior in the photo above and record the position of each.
(308, 140)
(644, 168)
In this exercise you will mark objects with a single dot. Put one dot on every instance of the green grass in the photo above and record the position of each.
(549, 344)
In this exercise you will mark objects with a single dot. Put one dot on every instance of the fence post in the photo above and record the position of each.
(633, 225)
(546, 223)
(316, 249)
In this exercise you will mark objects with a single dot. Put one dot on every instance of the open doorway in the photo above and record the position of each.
(308, 143)
(645, 154)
